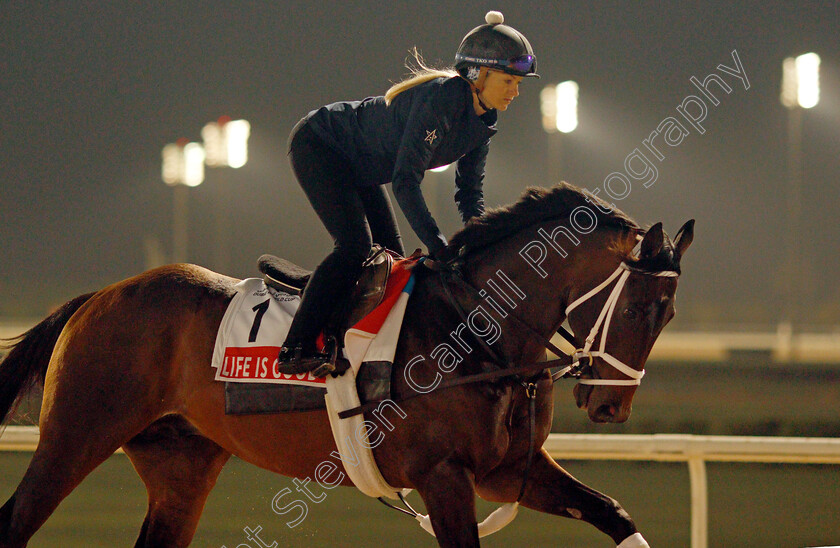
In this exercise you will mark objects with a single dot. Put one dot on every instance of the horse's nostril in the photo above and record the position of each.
(606, 412)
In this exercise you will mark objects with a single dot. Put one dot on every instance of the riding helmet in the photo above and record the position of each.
(495, 46)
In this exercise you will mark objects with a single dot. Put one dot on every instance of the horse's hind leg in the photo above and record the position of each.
(100, 391)
(179, 467)
(66, 453)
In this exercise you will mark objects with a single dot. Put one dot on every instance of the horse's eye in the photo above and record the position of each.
(630, 313)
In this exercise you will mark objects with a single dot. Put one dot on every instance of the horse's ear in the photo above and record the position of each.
(652, 242)
(684, 237)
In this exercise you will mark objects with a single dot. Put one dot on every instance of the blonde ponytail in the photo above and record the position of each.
(420, 73)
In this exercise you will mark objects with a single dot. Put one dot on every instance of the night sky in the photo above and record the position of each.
(92, 91)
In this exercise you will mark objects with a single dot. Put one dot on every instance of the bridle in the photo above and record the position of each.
(622, 273)
(572, 364)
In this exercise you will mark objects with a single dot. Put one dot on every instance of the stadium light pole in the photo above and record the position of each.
(182, 168)
(226, 145)
(559, 107)
(800, 90)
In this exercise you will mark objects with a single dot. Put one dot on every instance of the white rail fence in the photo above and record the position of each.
(694, 450)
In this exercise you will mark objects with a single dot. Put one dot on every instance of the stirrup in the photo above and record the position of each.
(325, 368)
(291, 361)
(338, 365)
(335, 365)
(317, 365)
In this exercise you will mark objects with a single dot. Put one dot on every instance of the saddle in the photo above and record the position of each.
(368, 293)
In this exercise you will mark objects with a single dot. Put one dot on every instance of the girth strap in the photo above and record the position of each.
(531, 393)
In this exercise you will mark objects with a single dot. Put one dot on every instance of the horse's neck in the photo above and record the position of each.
(537, 292)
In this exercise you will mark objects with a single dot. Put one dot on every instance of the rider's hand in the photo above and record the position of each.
(444, 254)
(444, 258)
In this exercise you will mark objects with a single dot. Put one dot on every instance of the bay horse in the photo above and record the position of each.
(129, 366)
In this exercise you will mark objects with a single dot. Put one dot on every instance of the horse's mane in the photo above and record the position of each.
(536, 205)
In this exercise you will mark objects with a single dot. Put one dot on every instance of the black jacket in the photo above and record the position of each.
(430, 125)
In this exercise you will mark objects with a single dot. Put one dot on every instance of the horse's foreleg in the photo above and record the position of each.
(553, 490)
(449, 495)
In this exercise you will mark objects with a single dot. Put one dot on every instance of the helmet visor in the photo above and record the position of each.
(522, 65)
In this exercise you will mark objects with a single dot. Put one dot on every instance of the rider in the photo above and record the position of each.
(343, 153)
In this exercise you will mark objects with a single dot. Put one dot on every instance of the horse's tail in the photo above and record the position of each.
(29, 355)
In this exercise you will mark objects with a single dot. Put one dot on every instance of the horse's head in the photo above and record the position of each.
(617, 321)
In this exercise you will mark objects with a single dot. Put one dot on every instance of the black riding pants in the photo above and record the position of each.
(355, 217)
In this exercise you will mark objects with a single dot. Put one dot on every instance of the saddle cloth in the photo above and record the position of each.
(257, 321)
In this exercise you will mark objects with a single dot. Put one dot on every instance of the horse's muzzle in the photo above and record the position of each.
(599, 411)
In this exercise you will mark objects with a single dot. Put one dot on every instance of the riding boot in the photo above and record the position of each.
(330, 282)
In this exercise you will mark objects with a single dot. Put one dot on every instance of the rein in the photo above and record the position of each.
(573, 367)
(503, 371)
(478, 377)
